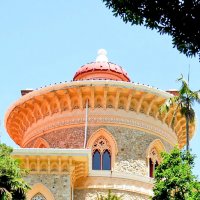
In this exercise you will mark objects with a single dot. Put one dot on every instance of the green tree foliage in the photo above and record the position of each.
(110, 196)
(12, 185)
(178, 18)
(183, 102)
(174, 179)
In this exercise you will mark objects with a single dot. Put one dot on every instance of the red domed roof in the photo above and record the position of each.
(101, 70)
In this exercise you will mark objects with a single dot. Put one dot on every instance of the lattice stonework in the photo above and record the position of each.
(154, 155)
(101, 144)
(38, 196)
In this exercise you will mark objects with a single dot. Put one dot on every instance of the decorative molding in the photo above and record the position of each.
(40, 188)
(41, 143)
(129, 101)
(156, 144)
(97, 117)
(127, 96)
(117, 181)
(109, 143)
(74, 163)
(106, 134)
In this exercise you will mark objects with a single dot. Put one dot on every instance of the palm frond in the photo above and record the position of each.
(180, 79)
(164, 108)
(174, 114)
(183, 102)
(196, 96)
(191, 115)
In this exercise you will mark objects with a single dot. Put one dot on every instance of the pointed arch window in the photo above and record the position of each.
(96, 164)
(106, 160)
(153, 155)
(150, 167)
(154, 161)
(38, 196)
(101, 158)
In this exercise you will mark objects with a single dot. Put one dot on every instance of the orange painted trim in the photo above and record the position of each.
(158, 145)
(41, 143)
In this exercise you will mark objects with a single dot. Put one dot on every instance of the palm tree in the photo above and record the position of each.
(110, 196)
(183, 102)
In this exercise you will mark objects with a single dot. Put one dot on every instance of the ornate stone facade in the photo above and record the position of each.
(100, 119)
(39, 111)
(132, 145)
(55, 184)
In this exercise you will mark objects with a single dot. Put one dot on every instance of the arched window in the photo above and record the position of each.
(96, 164)
(38, 196)
(39, 192)
(104, 149)
(106, 160)
(150, 167)
(101, 158)
(154, 159)
(153, 155)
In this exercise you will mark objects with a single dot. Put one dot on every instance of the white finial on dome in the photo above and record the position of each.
(102, 56)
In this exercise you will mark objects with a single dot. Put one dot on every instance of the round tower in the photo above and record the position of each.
(103, 111)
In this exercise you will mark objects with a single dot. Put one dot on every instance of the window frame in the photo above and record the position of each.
(101, 145)
(112, 142)
(153, 154)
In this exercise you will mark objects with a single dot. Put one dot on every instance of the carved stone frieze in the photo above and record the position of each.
(98, 117)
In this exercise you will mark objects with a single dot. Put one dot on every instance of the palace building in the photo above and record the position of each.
(98, 132)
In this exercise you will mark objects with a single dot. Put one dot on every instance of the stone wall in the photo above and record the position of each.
(132, 145)
(59, 185)
(66, 138)
(91, 194)
(63, 138)
(132, 149)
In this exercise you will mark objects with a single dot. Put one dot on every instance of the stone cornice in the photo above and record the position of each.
(51, 152)
(47, 102)
(73, 162)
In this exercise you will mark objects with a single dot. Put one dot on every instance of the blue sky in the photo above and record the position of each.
(45, 42)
